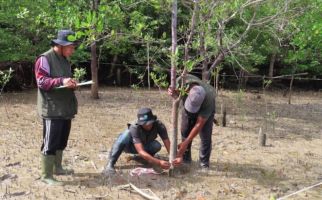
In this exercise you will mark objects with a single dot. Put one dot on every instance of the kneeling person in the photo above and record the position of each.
(140, 138)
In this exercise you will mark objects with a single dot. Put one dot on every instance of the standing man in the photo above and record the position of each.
(140, 138)
(57, 107)
(197, 118)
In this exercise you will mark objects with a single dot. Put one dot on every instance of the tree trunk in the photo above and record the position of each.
(148, 55)
(205, 73)
(202, 50)
(290, 92)
(111, 73)
(219, 58)
(175, 102)
(271, 65)
(94, 88)
(242, 81)
(246, 75)
(217, 71)
(223, 115)
(118, 77)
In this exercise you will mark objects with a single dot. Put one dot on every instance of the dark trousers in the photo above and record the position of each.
(55, 135)
(124, 143)
(188, 121)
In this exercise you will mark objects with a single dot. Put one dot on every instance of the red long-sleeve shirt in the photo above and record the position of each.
(43, 78)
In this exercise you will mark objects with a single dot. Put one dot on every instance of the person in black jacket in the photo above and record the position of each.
(140, 138)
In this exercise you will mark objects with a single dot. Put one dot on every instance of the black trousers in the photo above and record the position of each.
(188, 121)
(55, 135)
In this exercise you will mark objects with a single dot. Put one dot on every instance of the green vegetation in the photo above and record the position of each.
(251, 36)
(5, 77)
(79, 74)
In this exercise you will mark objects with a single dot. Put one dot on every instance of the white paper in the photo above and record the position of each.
(79, 84)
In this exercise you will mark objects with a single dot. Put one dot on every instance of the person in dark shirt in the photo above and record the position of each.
(196, 118)
(140, 138)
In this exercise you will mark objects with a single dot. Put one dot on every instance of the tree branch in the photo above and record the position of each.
(192, 28)
(249, 25)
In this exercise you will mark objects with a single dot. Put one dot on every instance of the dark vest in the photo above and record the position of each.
(57, 103)
(208, 105)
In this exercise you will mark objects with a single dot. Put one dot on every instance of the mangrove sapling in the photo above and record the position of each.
(5, 77)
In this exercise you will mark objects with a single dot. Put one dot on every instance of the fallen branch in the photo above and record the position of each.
(151, 196)
(94, 165)
(98, 197)
(302, 190)
(70, 190)
(299, 74)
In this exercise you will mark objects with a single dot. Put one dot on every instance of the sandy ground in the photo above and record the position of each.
(240, 168)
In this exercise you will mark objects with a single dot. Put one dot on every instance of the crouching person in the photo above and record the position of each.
(140, 138)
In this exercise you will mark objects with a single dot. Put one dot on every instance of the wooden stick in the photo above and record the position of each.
(98, 197)
(154, 197)
(140, 191)
(299, 74)
(302, 190)
(223, 115)
(94, 165)
(261, 138)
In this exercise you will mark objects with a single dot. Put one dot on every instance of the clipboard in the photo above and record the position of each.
(78, 84)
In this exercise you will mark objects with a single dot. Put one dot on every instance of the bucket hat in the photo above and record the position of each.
(65, 38)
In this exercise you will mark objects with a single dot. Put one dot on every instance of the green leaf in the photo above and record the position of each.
(71, 38)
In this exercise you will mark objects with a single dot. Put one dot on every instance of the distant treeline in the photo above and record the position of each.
(239, 37)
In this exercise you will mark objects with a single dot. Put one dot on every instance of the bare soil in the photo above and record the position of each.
(240, 168)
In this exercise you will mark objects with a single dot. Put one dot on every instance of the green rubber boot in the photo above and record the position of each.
(58, 168)
(47, 164)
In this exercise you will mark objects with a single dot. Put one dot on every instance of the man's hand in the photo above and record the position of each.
(177, 162)
(173, 92)
(164, 164)
(69, 83)
(182, 147)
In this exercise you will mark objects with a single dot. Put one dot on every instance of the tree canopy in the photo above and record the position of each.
(248, 35)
